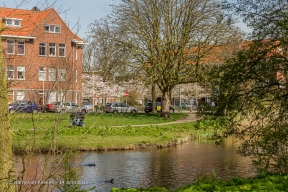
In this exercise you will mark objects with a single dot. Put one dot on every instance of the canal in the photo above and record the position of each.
(171, 168)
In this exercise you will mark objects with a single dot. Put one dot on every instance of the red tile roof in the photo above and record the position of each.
(29, 20)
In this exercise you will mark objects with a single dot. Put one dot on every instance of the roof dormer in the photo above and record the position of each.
(13, 22)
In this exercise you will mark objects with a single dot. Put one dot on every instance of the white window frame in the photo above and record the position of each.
(10, 70)
(11, 22)
(62, 49)
(61, 96)
(52, 97)
(42, 73)
(42, 47)
(52, 28)
(20, 46)
(52, 47)
(21, 70)
(61, 74)
(10, 46)
(52, 74)
(20, 95)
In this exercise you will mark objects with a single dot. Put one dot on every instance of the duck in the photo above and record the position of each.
(109, 181)
(90, 165)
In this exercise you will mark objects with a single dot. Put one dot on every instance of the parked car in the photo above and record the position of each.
(23, 106)
(89, 106)
(67, 106)
(48, 107)
(183, 105)
(158, 105)
(118, 107)
(187, 105)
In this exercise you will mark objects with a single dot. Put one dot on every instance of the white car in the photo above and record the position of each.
(117, 107)
(67, 106)
(89, 106)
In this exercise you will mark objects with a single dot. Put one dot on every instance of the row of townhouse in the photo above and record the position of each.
(42, 56)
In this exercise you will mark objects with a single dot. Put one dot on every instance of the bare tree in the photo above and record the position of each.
(6, 158)
(63, 81)
(170, 38)
(105, 55)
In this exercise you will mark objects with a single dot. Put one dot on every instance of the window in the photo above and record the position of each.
(10, 72)
(21, 73)
(42, 49)
(76, 54)
(10, 46)
(20, 95)
(42, 73)
(41, 93)
(52, 28)
(52, 49)
(52, 74)
(62, 50)
(9, 22)
(13, 22)
(76, 74)
(61, 96)
(21, 48)
(52, 97)
(61, 74)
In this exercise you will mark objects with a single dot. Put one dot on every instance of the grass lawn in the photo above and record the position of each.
(47, 120)
(107, 138)
(38, 131)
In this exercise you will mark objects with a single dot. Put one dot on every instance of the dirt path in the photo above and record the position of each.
(191, 117)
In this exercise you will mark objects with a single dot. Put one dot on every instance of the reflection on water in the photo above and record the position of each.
(167, 167)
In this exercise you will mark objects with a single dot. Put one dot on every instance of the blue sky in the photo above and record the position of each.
(71, 11)
(84, 11)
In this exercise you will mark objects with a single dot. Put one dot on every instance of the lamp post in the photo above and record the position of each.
(180, 102)
(43, 78)
(180, 98)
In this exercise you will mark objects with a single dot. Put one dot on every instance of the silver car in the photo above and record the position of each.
(118, 107)
(89, 106)
(67, 106)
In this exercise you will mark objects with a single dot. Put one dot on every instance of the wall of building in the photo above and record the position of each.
(32, 87)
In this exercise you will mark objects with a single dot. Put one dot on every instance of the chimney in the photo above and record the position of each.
(35, 9)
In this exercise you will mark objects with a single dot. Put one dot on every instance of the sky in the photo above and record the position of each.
(85, 12)
(71, 11)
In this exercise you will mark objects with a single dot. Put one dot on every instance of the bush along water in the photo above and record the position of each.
(265, 183)
(208, 126)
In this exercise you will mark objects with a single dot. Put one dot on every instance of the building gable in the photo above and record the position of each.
(25, 23)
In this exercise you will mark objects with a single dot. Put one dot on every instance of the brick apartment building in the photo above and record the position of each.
(42, 56)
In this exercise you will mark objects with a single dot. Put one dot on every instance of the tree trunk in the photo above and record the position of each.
(6, 157)
(165, 104)
(153, 94)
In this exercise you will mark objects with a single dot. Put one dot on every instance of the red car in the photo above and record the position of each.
(48, 107)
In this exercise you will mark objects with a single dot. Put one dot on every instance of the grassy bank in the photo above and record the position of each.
(36, 132)
(108, 138)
